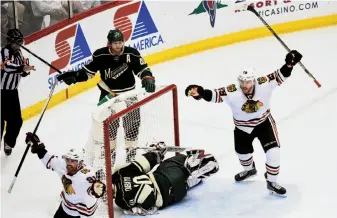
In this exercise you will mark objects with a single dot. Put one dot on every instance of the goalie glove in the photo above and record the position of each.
(159, 148)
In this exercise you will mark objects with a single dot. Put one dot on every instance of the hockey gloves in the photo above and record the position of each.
(197, 92)
(67, 77)
(149, 83)
(293, 58)
(72, 77)
(37, 147)
(159, 148)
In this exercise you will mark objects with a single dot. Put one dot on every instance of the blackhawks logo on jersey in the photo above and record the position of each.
(222, 92)
(85, 171)
(262, 80)
(251, 106)
(231, 88)
(271, 76)
(67, 185)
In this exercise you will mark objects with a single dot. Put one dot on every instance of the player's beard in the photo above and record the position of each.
(71, 169)
(117, 50)
(247, 90)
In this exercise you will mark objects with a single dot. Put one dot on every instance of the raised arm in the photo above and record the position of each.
(281, 75)
(198, 92)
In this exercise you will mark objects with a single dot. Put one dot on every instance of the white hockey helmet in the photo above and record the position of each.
(75, 154)
(247, 74)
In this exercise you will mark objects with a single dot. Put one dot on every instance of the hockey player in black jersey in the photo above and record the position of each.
(118, 65)
(139, 191)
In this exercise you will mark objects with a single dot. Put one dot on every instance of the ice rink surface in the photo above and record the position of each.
(306, 118)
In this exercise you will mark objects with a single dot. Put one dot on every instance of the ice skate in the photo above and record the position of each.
(7, 149)
(246, 174)
(274, 188)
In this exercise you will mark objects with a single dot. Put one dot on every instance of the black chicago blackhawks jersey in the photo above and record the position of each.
(133, 186)
(117, 71)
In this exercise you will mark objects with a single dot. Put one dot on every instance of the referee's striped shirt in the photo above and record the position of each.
(11, 68)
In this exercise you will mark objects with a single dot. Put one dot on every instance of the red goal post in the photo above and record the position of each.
(158, 114)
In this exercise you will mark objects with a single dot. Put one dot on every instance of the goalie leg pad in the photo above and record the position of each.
(200, 165)
(131, 124)
(113, 129)
(113, 144)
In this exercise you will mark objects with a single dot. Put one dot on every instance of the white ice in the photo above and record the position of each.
(305, 115)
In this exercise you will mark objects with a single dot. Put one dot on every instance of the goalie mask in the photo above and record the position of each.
(74, 159)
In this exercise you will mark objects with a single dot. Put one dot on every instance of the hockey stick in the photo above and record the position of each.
(32, 53)
(28, 146)
(168, 148)
(252, 9)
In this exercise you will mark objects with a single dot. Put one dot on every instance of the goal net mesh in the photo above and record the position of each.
(122, 123)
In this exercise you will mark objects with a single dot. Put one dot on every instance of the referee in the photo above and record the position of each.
(13, 67)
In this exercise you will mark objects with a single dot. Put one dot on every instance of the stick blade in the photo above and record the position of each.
(12, 184)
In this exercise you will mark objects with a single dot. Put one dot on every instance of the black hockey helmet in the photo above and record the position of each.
(115, 35)
(14, 36)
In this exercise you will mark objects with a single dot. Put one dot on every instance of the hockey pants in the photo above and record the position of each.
(61, 214)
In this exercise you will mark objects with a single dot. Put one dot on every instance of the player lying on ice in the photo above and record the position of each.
(250, 106)
(81, 188)
(139, 191)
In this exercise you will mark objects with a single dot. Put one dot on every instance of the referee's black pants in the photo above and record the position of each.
(11, 113)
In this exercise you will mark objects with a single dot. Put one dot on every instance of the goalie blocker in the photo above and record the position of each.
(141, 192)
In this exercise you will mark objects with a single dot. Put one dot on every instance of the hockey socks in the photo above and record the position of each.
(272, 171)
(247, 162)
(273, 163)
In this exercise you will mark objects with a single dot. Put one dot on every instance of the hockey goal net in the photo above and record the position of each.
(129, 120)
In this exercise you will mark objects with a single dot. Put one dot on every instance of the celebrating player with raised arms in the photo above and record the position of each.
(81, 188)
(249, 100)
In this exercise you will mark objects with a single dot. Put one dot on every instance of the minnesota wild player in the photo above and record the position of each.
(118, 65)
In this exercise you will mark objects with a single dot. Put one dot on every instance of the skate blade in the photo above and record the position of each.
(277, 195)
(246, 179)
